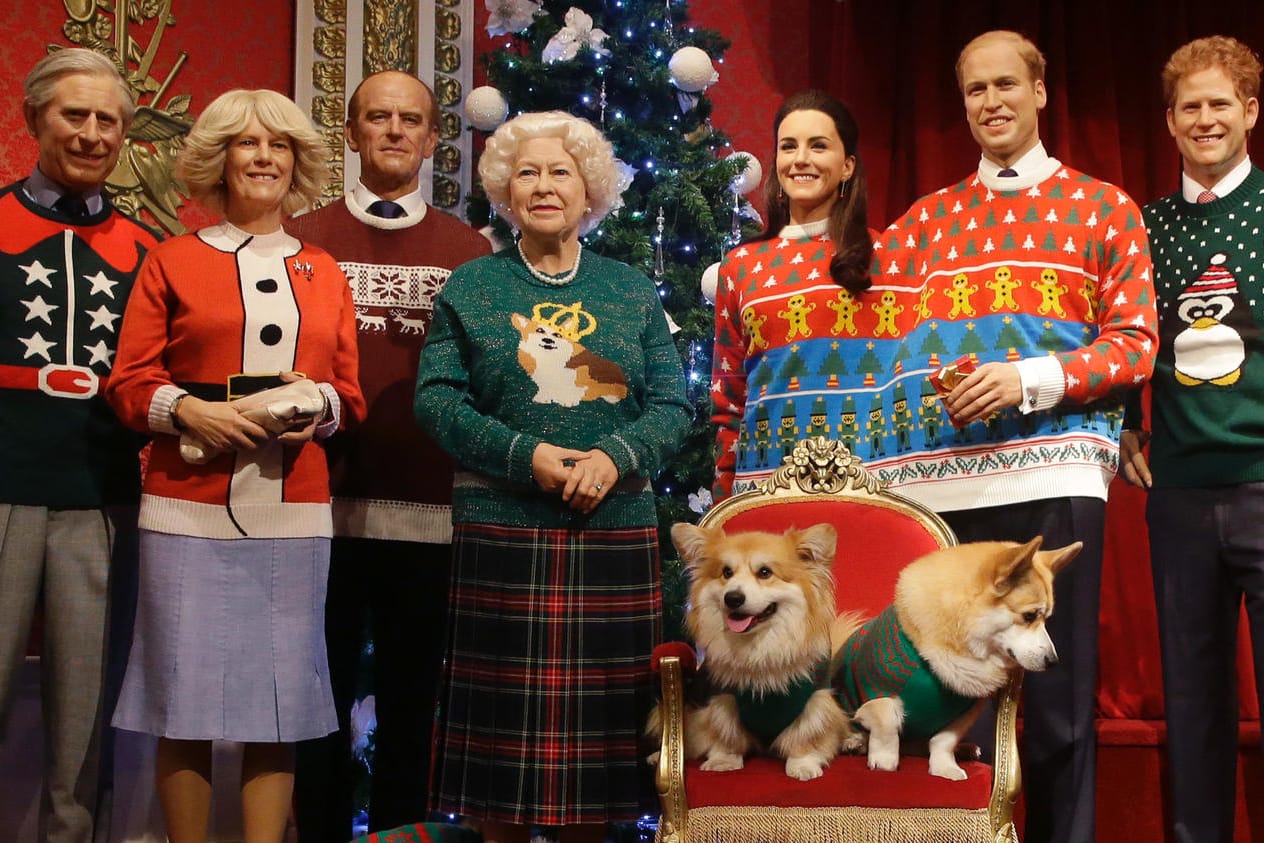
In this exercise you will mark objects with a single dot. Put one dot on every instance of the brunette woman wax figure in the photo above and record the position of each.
(235, 521)
(550, 375)
(794, 313)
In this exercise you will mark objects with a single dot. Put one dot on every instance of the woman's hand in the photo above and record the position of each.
(552, 466)
(219, 425)
(590, 481)
(301, 428)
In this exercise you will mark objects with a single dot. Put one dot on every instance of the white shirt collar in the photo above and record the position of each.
(1033, 167)
(44, 192)
(1232, 181)
(360, 198)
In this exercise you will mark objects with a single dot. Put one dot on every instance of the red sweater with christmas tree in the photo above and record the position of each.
(1053, 264)
(794, 352)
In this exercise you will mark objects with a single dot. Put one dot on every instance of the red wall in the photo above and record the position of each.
(231, 44)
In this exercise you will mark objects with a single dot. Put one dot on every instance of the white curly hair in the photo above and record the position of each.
(601, 171)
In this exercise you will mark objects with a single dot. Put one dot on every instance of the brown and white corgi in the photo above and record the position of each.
(564, 371)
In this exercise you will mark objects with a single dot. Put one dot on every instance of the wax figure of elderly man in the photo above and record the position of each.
(1206, 467)
(1037, 277)
(69, 476)
(392, 484)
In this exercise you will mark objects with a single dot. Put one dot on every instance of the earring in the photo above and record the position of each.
(781, 193)
(842, 188)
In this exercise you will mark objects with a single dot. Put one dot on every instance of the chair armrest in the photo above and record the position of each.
(669, 777)
(1007, 779)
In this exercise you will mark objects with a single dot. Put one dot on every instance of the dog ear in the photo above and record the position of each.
(1058, 558)
(1013, 564)
(690, 541)
(816, 544)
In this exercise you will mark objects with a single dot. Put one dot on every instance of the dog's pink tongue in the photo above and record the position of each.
(740, 624)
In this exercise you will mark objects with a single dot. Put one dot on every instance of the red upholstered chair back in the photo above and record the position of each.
(879, 532)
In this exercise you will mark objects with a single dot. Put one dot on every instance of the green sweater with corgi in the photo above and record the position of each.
(1208, 383)
(512, 360)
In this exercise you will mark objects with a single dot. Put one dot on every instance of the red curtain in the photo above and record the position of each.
(892, 62)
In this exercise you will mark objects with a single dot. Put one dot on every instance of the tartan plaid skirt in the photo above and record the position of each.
(548, 679)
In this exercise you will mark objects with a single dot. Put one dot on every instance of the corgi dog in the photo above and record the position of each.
(963, 619)
(760, 609)
(564, 371)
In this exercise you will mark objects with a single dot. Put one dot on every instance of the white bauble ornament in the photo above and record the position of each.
(691, 69)
(750, 177)
(710, 282)
(486, 108)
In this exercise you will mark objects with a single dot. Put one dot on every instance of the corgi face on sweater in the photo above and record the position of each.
(564, 371)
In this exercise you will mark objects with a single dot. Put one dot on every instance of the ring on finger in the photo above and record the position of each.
(597, 486)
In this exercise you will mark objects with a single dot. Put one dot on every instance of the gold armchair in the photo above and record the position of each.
(878, 533)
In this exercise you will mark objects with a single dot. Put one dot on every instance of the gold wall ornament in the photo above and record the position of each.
(144, 178)
(328, 86)
(390, 36)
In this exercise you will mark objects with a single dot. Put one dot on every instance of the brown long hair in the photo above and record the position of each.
(848, 226)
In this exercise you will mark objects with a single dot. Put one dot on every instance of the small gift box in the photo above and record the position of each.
(945, 380)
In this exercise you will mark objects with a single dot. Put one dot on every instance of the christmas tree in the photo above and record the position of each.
(638, 71)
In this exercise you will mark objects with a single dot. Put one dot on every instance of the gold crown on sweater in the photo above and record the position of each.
(572, 322)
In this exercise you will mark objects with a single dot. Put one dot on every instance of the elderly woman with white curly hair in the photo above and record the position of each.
(551, 377)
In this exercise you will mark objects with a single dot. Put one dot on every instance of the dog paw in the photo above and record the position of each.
(855, 743)
(804, 769)
(884, 760)
(652, 759)
(722, 763)
(947, 770)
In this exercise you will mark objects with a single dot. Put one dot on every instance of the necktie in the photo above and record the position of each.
(1008, 173)
(1207, 196)
(385, 209)
(71, 206)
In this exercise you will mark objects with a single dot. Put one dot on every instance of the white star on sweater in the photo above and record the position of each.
(37, 308)
(38, 272)
(100, 353)
(101, 284)
(36, 345)
(102, 318)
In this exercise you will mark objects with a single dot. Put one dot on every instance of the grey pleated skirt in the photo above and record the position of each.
(229, 641)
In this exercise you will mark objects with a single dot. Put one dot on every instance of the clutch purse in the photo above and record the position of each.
(276, 410)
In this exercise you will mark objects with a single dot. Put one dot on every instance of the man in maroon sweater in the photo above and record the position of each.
(391, 483)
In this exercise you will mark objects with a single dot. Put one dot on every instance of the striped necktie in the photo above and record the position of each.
(1207, 196)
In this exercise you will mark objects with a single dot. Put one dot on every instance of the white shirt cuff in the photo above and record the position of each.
(1043, 383)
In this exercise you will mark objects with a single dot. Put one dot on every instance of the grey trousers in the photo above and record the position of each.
(62, 556)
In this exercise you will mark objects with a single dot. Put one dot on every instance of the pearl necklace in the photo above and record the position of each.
(555, 280)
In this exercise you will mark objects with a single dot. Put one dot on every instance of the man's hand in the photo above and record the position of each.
(988, 389)
(1132, 462)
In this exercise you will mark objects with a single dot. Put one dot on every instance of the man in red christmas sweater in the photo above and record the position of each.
(69, 475)
(1038, 278)
(392, 485)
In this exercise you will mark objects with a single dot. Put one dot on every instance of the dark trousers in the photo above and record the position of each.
(1207, 554)
(398, 591)
(1059, 747)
